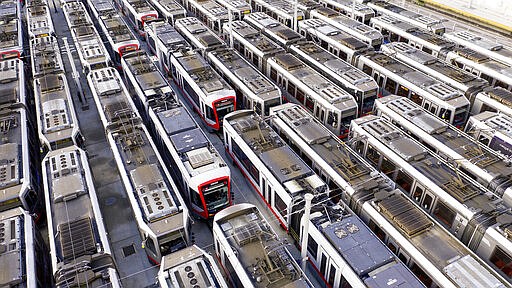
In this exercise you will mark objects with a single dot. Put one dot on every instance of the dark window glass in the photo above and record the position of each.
(502, 260)
(445, 214)
(404, 181)
(373, 155)
(312, 247)
(280, 206)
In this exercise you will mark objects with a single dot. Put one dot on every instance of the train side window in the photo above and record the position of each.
(422, 276)
(427, 50)
(427, 202)
(377, 230)
(390, 86)
(310, 105)
(280, 205)
(322, 115)
(445, 114)
(273, 74)
(444, 214)
(502, 260)
(402, 91)
(373, 155)
(402, 257)
(426, 105)
(393, 37)
(360, 147)
(433, 109)
(393, 248)
(343, 55)
(300, 96)
(195, 199)
(332, 119)
(484, 140)
(416, 98)
(486, 107)
(486, 77)
(291, 89)
(367, 69)
(256, 61)
(418, 191)
(332, 274)
(404, 181)
(387, 167)
(150, 244)
(312, 247)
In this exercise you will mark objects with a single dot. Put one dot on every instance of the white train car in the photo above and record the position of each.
(138, 12)
(280, 10)
(163, 40)
(485, 46)
(494, 99)
(11, 30)
(458, 203)
(160, 212)
(462, 80)
(239, 8)
(46, 56)
(351, 26)
(423, 21)
(210, 95)
(476, 160)
(396, 30)
(253, 89)
(198, 168)
(333, 39)
(210, 12)
(362, 87)
(251, 253)
(120, 39)
(358, 11)
(406, 230)
(39, 20)
(56, 117)
(192, 265)
(270, 27)
(90, 47)
(79, 248)
(395, 77)
(492, 129)
(170, 10)
(251, 44)
(198, 35)
(23, 258)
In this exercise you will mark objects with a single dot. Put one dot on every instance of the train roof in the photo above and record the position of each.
(140, 6)
(407, 14)
(328, 31)
(269, 25)
(192, 265)
(14, 249)
(425, 35)
(57, 115)
(496, 121)
(146, 74)
(427, 60)
(14, 167)
(475, 197)
(39, 21)
(202, 73)
(346, 23)
(72, 211)
(117, 29)
(274, 153)
(167, 35)
(211, 9)
(46, 56)
(483, 45)
(12, 80)
(347, 5)
(337, 66)
(433, 86)
(247, 232)
(451, 137)
(237, 5)
(260, 44)
(170, 7)
(328, 146)
(247, 74)
(9, 35)
(202, 37)
(315, 81)
(103, 7)
(488, 63)
(499, 94)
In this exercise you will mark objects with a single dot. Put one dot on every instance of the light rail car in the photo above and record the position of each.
(39, 20)
(170, 10)
(351, 26)
(120, 39)
(482, 45)
(395, 77)
(160, 212)
(333, 39)
(163, 40)
(79, 248)
(203, 175)
(11, 29)
(270, 27)
(476, 160)
(192, 265)
(198, 35)
(210, 95)
(494, 99)
(465, 208)
(493, 130)
(46, 56)
(358, 11)
(423, 21)
(406, 230)
(138, 12)
(251, 253)
(91, 50)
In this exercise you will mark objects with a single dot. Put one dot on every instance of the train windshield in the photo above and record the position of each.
(223, 108)
(216, 196)
(460, 116)
(368, 100)
(172, 242)
(271, 103)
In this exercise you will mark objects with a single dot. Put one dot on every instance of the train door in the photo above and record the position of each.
(323, 262)
(428, 201)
